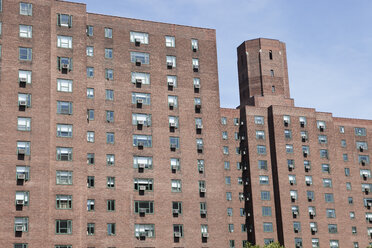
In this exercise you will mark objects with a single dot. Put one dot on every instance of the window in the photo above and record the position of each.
(259, 120)
(25, 9)
(227, 165)
(287, 134)
(347, 172)
(25, 31)
(64, 154)
(196, 83)
(108, 53)
(330, 213)
(139, 38)
(25, 53)
(140, 58)
(350, 200)
(170, 41)
(111, 182)
(231, 228)
(305, 150)
(326, 168)
(361, 146)
(327, 183)
(303, 121)
(328, 197)
(64, 85)
(236, 121)
(64, 108)
(194, 45)
(352, 215)
(64, 41)
(333, 244)
(225, 150)
(90, 72)
(289, 148)
(140, 78)
(272, 73)
(264, 180)
(24, 124)
(174, 142)
(90, 51)
(321, 125)
(176, 185)
(64, 20)
(21, 223)
(177, 207)
(90, 158)
(343, 143)
(348, 186)
(23, 172)
(363, 159)
(262, 164)
(25, 76)
(108, 33)
(224, 135)
(141, 98)
(291, 164)
(171, 62)
(260, 135)
(341, 129)
(23, 147)
(228, 180)
(63, 226)
(268, 227)
(145, 119)
(261, 149)
(144, 207)
(144, 230)
(90, 114)
(297, 227)
(109, 95)
(332, 228)
(109, 116)
(265, 195)
(308, 180)
(228, 196)
(111, 229)
(223, 120)
(22, 198)
(229, 212)
(266, 211)
(324, 153)
(175, 164)
(89, 30)
(25, 245)
(139, 162)
(109, 74)
(64, 130)
(304, 136)
(90, 181)
(236, 135)
(90, 228)
(64, 177)
(322, 139)
(110, 138)
(292, 179)
(90, 205)
(90, 93)
(293, 194)
(286, 120)
(110, 159)
(195, 65)
(201, 167)
(110, 205)
(240, 181)
(359, 131)
(345, 157)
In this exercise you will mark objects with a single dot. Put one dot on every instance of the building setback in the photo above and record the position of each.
(113, 136)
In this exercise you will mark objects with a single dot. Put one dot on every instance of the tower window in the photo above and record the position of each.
(273, 88)
(271, 54)
(272, 73)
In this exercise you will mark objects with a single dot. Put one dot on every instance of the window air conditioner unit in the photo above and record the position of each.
(302, 123)
(22, 103)
(142, 210)
(142, 234)
(201, 169)
(295, 213)
(174, 167)
(308, 183)
(19, 228)
(171, 104)
(291, 166)
(197, 86)
(65, 66)
(171, 83)
(369, 204)
(305, 153)
(23, 80)
(314, 229)
(138, 62)
(195, 68)
(139, 101)
(361, 149)
(298, 245)
(205, 235)
(194, 48)
(304, 138)
(321, 128)
(286, 123)
(203, 211)
(203, 190)
(198, 105)
(177, 235)
(312, 213)
(137, 42)
(173, 146)
(140, 122)
(199, 126)
(138, 81)
(307, 167)
(363, 162)
(140, 144)
(173, 124)
(291, 182)
(241, 197)
(369, 219)
(169, 65)
(21, 150)
(293, 198)
(142, 188)
(367, 190)
(142, 166)
(21, 176)
(176, 211)
(20, 202)
(365, 177)
(296, 230)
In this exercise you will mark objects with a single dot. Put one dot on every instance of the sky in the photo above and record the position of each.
(329, 43)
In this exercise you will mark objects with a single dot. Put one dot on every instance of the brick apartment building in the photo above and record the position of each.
(113, 136)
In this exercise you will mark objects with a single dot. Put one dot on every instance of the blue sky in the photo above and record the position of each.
(329, 43)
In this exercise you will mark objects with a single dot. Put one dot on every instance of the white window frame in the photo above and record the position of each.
(64, 41)
(170, 41)
(143, 38)
(64, 85)
(25, 31)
